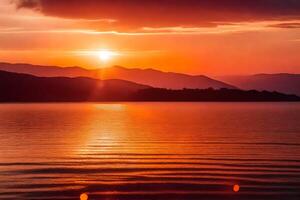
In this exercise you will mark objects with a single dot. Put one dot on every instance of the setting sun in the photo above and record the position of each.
(106, 55)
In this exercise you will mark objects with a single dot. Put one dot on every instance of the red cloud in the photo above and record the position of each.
(156, 13)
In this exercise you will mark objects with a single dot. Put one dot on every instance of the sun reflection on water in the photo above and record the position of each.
(110, 107)
(84, 196)
(236, 188)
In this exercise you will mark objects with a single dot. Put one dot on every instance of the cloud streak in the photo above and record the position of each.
(286, 25)
(168, 13)
(144, 31)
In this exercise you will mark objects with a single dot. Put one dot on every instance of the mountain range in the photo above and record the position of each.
(150, 77)
(17, 87)
(284, 83)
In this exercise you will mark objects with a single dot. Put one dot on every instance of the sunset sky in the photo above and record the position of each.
(193, 36)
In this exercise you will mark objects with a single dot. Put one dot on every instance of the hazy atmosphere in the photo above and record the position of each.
(195, 37)
(150, 99)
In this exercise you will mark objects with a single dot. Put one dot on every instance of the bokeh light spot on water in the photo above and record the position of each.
(236, 188)
(84, 196)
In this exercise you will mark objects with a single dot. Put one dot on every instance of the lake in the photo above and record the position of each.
(136, 151)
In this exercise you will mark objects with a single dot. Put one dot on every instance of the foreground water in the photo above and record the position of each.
(150, 151)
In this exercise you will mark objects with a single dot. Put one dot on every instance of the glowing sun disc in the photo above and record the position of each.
(105, 55)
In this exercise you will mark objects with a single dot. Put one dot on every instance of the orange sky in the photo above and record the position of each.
(182, 36)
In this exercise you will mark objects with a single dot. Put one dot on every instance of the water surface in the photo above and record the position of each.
(150, 151)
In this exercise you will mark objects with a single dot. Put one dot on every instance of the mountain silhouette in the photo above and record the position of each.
(16, 87)
(159, 79)
(151, 77)
(210, 94)
(47, 71)
(285, 83)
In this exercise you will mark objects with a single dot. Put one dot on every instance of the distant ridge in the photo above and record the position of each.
(282, 82)
(16, 87)
(46, 71)
(168, 80)
(151, 77)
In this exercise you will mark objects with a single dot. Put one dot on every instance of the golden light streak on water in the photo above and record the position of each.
(150, 151)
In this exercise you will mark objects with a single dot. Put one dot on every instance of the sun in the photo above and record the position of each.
(106, 55)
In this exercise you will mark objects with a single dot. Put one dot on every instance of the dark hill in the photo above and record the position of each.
(223, 95)
(16, 87)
